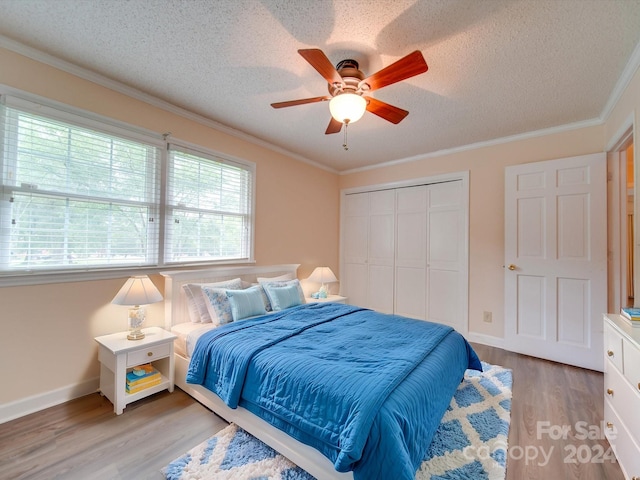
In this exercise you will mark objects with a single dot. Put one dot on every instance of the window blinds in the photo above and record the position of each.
(209, 208)
(78, 192)
(74, 197)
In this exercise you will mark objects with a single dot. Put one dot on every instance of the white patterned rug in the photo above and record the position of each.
(471, 441)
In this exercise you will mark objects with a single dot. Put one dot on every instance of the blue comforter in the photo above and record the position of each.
(366, 389)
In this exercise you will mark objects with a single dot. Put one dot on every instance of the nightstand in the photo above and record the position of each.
(117, 356)
(330, 298)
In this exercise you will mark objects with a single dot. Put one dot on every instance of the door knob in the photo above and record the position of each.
(511, 267)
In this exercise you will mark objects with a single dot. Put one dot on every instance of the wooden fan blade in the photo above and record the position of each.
(292, 103)
(386, 111)
(334, 126)
(407, 67)
(322, 64)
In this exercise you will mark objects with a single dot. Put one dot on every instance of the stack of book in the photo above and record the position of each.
(632, 315)
(141, 377)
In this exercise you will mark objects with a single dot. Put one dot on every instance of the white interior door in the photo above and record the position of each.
(555, 259)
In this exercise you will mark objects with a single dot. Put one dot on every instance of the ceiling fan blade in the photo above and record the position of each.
(292, 103)
(334, 126)
(322, 64)
(386, 111)
(407, 67)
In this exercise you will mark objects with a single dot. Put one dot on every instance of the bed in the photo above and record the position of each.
(330, 423)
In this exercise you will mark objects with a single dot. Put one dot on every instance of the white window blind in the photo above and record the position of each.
(74, 197)
(209, 208)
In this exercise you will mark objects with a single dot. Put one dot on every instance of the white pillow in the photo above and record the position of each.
(281, 278)
(246, 303)
(197, 302)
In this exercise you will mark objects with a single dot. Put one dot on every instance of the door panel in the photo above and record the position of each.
(381, 293)
(410, 292)
(555, 247)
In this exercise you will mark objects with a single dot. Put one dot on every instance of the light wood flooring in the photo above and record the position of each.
(83, 439)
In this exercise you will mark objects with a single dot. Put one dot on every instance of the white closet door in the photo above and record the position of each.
(404, 251)
(411, 251)
(355, 277)
(446, 257)
(381, 250)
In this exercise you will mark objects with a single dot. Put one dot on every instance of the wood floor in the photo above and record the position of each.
(83, 439)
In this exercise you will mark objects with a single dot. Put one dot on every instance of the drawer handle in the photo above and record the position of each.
(609, 425)
(609, 391)
(149, 354)
(610, 353)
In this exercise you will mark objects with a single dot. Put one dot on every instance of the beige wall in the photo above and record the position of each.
(46, 340)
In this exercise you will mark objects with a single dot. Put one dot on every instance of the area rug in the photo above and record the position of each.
(471, 441)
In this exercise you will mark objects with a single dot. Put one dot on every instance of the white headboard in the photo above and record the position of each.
(175, 300)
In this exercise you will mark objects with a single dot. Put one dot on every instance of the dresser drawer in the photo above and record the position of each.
(612, 347)
(624, 399)
(626, 450)
(631, 363)
(148, 354)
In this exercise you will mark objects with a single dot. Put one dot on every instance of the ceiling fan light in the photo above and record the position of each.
(347, 107)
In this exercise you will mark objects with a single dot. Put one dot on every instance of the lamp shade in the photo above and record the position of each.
(138, 290)
(347, 107)
(322, 275)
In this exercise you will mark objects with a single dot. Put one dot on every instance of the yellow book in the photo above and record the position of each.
(143, 380)
(144, 386)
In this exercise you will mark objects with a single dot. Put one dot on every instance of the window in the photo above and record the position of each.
(208, 208)
(79, 194)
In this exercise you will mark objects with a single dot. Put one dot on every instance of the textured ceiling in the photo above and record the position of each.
(496, 67)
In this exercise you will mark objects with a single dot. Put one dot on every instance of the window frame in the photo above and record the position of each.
(86, 119)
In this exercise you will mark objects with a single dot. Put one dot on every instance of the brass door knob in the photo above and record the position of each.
(609, 391)
(512, 267)
(610, 353)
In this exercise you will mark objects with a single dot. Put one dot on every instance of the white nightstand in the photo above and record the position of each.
(330, 298)
(118, 355)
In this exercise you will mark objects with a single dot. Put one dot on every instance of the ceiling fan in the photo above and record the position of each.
(348, 87)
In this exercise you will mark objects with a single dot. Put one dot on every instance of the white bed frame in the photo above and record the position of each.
(176, 312)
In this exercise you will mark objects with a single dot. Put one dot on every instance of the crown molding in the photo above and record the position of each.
(132, 92)
(488, 143)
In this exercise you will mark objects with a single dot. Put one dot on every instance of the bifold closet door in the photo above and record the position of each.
(446, 255)
(411, 252)
(404, 251)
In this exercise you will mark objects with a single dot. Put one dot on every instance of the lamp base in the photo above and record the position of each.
(136, 319)
(135, 335)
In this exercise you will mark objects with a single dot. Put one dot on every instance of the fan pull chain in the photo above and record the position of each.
(345, 145)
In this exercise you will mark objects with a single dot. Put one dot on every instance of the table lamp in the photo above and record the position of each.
(137, 291)
(322, 275)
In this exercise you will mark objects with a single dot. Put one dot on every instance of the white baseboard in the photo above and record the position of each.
(490, 340)
(25, 406)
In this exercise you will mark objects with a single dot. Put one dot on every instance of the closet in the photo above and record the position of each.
(404, 250)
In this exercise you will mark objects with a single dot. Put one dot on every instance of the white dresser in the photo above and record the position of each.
(622, 392)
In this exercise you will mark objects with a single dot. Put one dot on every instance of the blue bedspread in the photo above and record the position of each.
(366, 389)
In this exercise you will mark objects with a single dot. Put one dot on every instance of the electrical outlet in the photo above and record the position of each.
(486, 317)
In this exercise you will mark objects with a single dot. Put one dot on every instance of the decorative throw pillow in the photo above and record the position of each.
(217, 304)
(246, 303)
(197, 302)
(284, 294)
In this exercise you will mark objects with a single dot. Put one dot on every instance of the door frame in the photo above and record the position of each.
(617, 251)
(462, 176)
